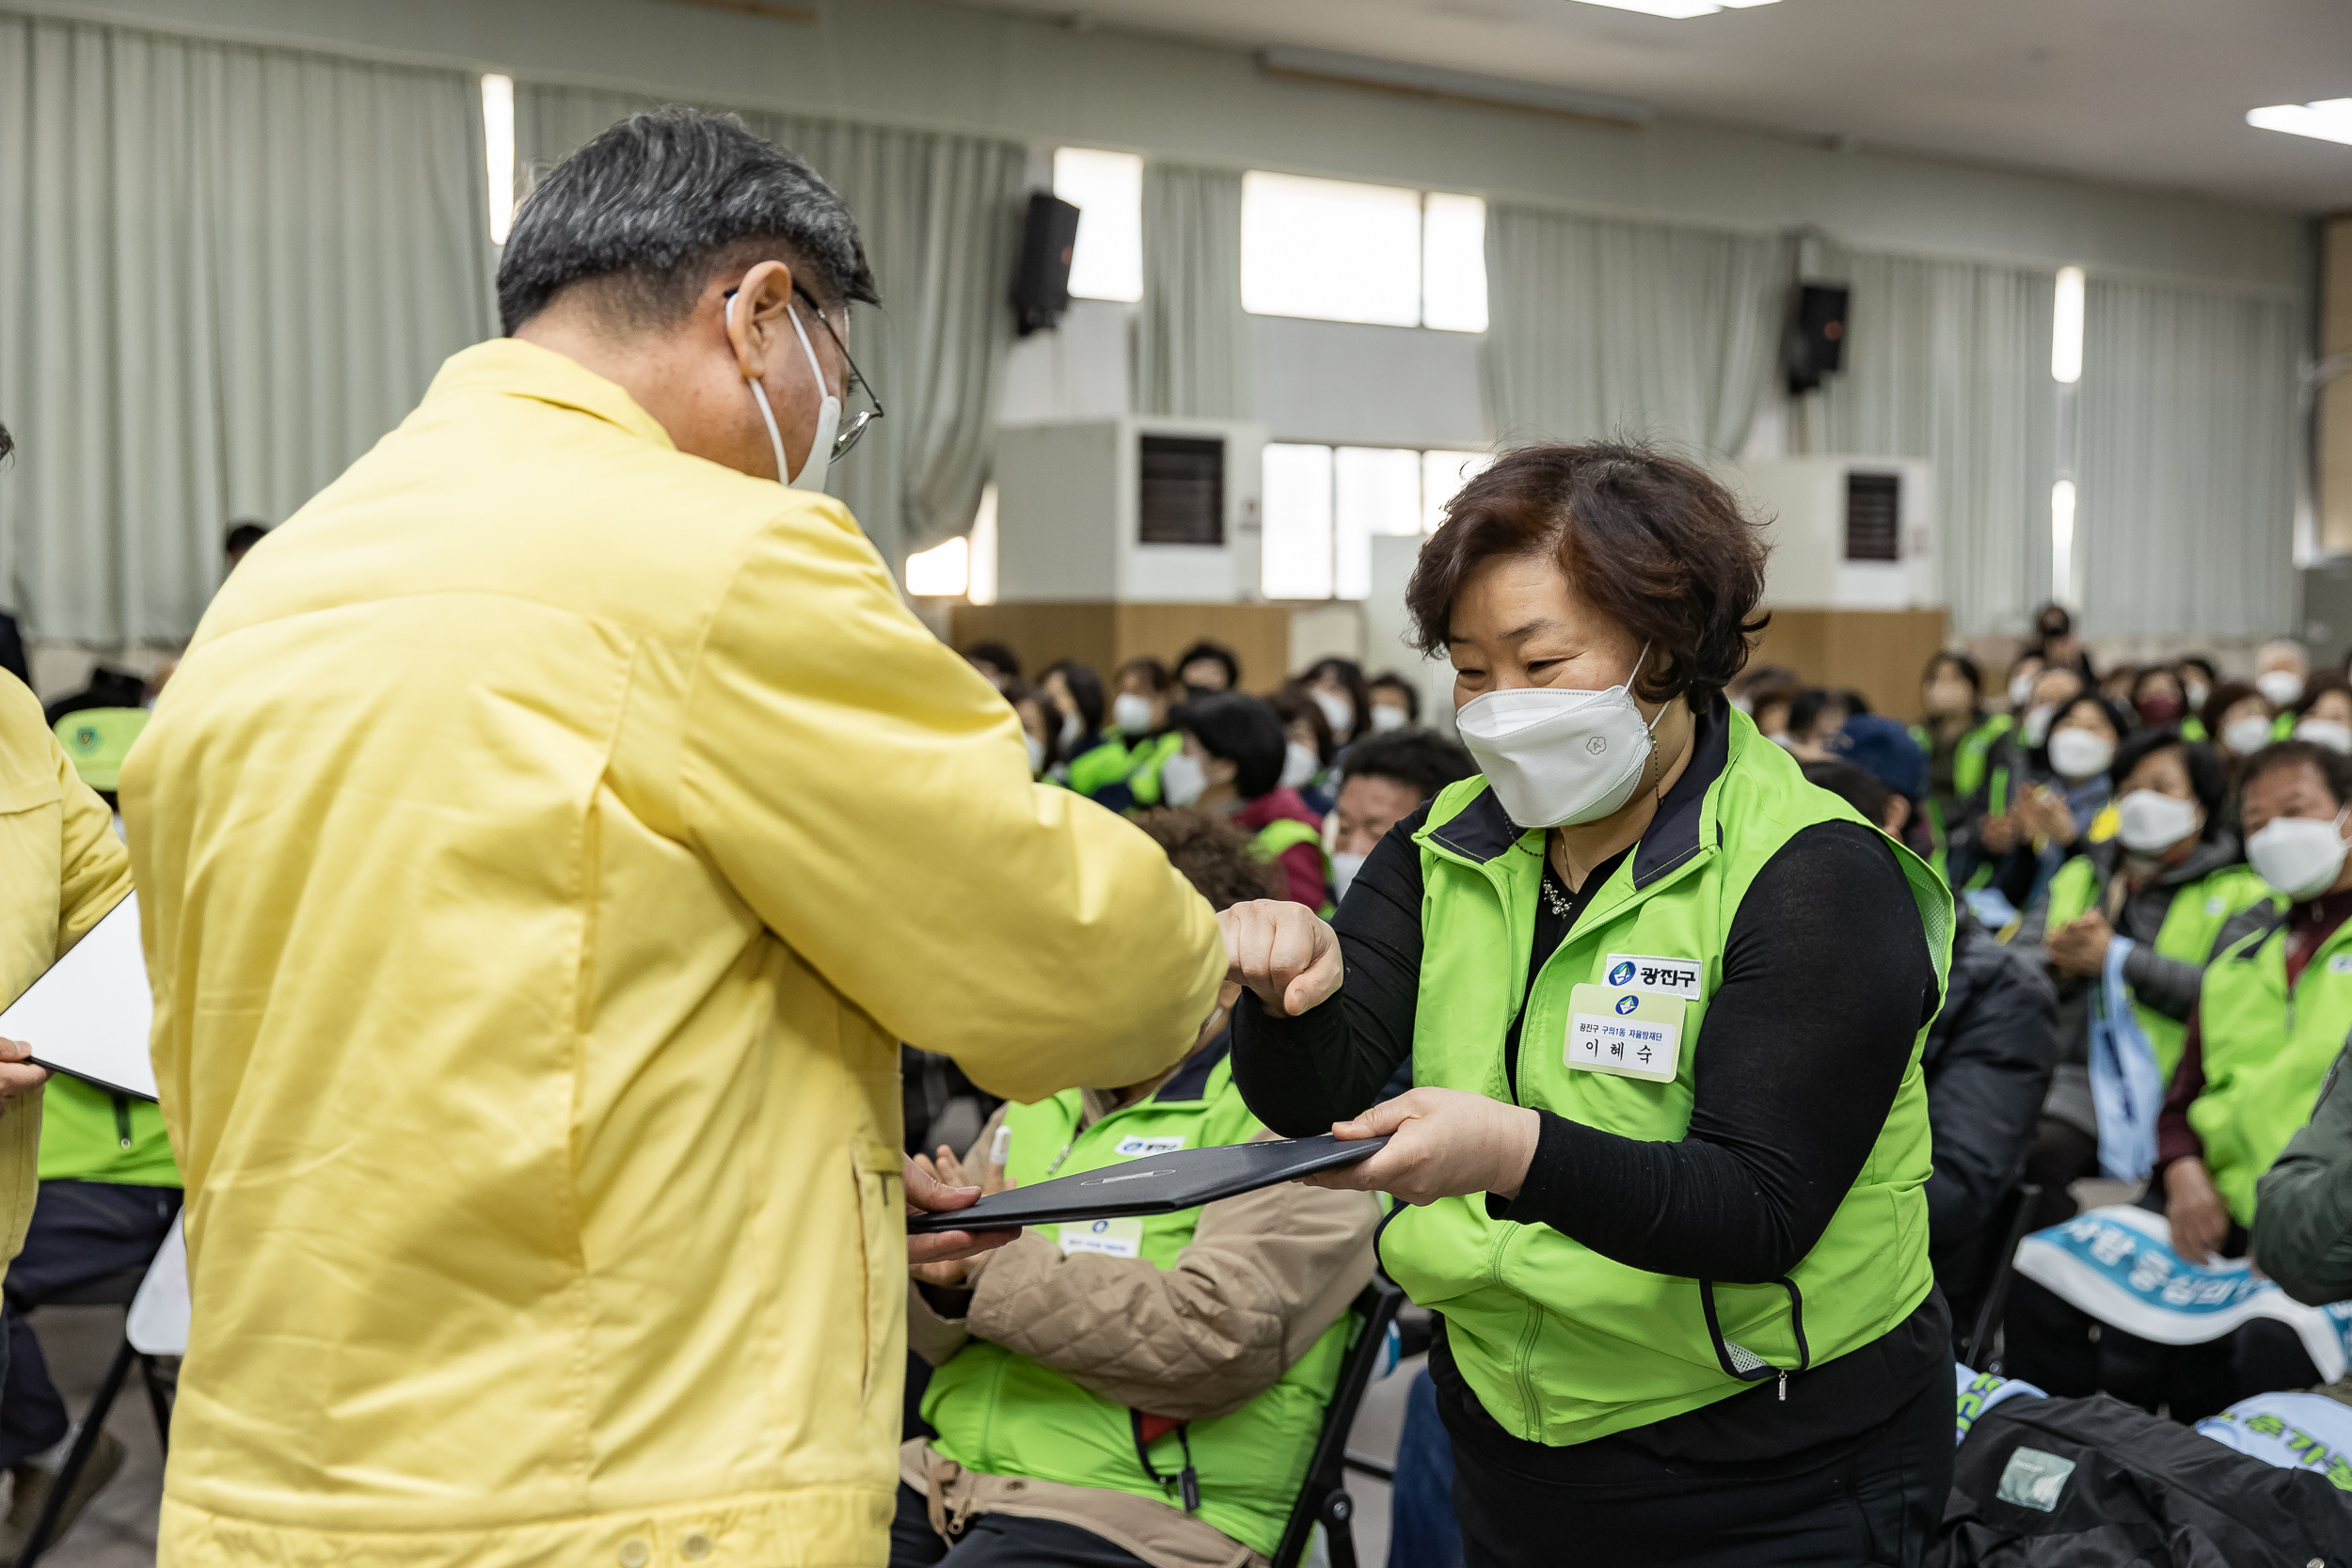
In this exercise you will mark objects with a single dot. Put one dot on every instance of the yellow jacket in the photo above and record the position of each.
(546, 843)
(62, 867)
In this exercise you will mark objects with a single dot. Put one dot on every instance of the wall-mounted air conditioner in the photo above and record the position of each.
(1847, 532)
(1139, 509)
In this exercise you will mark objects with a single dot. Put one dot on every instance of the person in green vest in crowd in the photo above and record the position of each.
(2324, 716)
(2158, 900)
(2239, 719)
(1139, 718)
(1090, 757)
(1958, 736)
(1663, 1166)
(2269, 1023)
(1998, 816)
(1310, 756)
(2281, 670)
(1395, 702)
(1232, 762)
(1137, 1391)
(2198, 678)
(108, 1194)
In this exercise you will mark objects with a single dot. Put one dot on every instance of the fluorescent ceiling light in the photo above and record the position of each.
(2329, 120)
(1678, 10)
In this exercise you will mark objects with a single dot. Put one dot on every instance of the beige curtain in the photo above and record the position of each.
(940, 215)
(1950, 361)
(2191, 437)
(1192, 339)
(224, 271)
(1601, 328)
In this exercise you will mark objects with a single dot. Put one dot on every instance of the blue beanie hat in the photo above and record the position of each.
(1884, 748)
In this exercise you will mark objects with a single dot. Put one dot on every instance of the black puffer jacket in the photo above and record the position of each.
(1988, 1059)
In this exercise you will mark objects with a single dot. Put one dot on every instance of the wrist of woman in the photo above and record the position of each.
(1517, 1154)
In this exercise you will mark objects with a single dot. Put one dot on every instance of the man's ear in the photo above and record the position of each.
(756, 322)
(1897, 816)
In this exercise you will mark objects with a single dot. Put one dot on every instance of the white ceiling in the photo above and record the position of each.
(2153, 92)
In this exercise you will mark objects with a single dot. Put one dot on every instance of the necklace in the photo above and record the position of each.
(1557, 902)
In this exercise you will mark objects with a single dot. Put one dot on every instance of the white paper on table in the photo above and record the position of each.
(90, 1013)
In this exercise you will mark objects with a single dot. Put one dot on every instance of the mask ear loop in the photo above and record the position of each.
(759, 395)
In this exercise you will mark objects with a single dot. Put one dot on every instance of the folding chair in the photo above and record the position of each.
(2003, 1271)
(1323, 1499)
(156, 1325)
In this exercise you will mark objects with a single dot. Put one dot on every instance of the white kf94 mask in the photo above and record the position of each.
(1556, 756)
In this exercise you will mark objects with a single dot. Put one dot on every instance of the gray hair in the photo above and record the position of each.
(658, 203)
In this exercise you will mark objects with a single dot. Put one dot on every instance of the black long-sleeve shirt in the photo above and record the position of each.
(1825, 981)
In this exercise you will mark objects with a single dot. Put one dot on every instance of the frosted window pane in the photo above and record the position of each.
(1442, 473)
(1454, 263)
(1374, 490)
(1295, 552)
(1330, 249)
(1107, 190)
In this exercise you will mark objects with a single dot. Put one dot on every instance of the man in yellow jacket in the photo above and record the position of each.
(550, 835)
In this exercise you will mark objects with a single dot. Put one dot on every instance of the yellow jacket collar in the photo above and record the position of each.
(516, 369)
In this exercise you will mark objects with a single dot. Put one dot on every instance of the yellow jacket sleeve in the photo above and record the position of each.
(96, 868)
(867, 793)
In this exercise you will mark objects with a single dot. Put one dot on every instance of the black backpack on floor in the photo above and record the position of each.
(2096, 1483)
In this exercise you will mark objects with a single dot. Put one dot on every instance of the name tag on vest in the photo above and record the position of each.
(1111, 1238)
(1626, 1033)
(1664, 976)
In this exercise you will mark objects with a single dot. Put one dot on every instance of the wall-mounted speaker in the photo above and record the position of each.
(1041, 284)
(1814, 344)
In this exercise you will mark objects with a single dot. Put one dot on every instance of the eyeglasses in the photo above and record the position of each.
(848, 439)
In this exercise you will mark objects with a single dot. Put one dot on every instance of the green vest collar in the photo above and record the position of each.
(1482, 831)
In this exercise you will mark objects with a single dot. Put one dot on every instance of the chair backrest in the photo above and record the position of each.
(1326, 1471)
(157, 1323)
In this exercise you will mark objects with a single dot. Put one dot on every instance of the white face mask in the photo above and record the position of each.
(1338, 712)
(2035, 726)
(2020, 689)
(812, 474)
(2325, 732)
(1072, 731)
(2281, 687)
(1387, 716)
(1132, 714)
(2245, 735)
(2149, 822)
(1182, 780)
(2077, 754)
(1556, 756)
(1299, 764)
(1036, 755)
(1343, 869)
(2194, 693)
(2300, 856)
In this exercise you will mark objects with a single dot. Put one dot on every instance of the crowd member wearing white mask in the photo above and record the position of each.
(2068, 791)
(1233, 760)
(1207, 667)
(621, 819)
(2198, 678)
(1337, 685)
(1040, 726)
(1395, 700)
(1139, 722)
(2156, 899)
(2015, 757)
(2281, 668)
(2019, 684)
(1088, 757)
(1591, 956)
(1309, 756)
(2269, 1023)
(2238, 721)
(2324, 716)
(1386, 778)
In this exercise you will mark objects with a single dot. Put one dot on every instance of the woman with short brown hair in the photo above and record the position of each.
(1663, 1002)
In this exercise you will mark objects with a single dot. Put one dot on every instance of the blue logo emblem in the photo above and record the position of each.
(1102, 1226)
(1627, 1004)
(1622, 973)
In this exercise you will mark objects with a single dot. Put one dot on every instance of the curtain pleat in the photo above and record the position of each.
(1600, 327)
(2190, 437)
(226, 271)
(1192, 339)
(1950, 361)
(940, 217)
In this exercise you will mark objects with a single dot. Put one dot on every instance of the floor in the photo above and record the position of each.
(117, 1530)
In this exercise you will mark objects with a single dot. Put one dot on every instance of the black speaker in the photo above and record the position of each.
(1816, 340)
(1041, 285)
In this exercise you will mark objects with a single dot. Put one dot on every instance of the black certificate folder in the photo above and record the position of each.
(1155, 1184)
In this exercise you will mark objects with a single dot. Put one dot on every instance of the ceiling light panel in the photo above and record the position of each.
(2329, 120)
(1677, 10)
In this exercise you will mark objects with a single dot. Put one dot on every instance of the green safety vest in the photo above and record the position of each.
(1102, 763)
(1288, 832)
(2282, 727)
(2265, 1053)
(89, 1135)
(97, 739)
(1144, 762)
(2192, 728)
(1971, 756)
(2192, 923)
(1005, 1415)
(1560, 1344)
